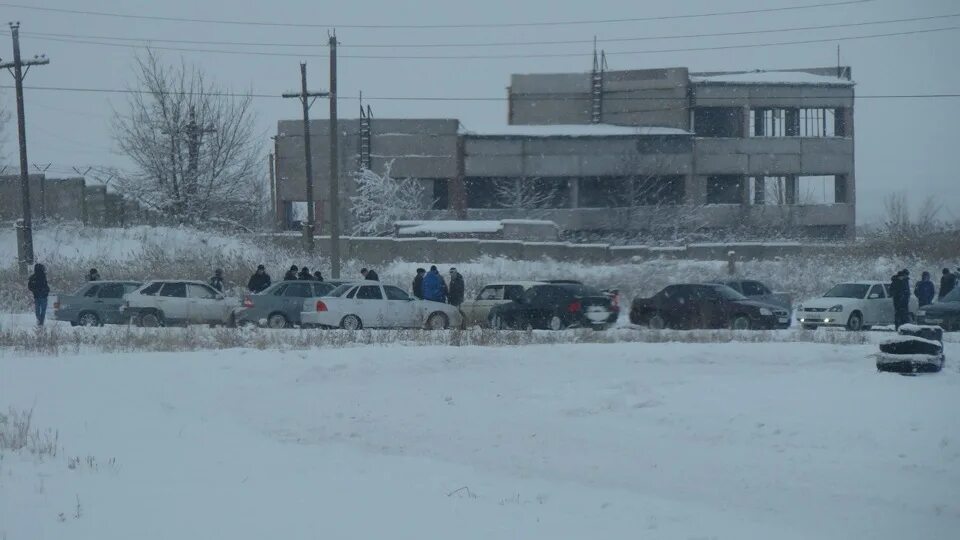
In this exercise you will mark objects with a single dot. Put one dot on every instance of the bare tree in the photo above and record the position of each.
(192, 142)
(381, 200)
(527, 195)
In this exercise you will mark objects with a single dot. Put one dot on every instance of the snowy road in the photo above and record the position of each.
(734, 440)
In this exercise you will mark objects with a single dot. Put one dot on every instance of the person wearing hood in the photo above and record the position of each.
(900, 294)
(457, 288)
(259, 281)
(924, 290)
(947, 283)
(291, 274)
(38, 286)
(216, 281)
(305, 274)
(434, 288)
(317, 275)
(369, 275)
(93, 275)
(418, 283)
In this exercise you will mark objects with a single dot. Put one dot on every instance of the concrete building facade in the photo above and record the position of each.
(618, 151)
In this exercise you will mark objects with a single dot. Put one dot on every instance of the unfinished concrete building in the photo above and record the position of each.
(758, 152)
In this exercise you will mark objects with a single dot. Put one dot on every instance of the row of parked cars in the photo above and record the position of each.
(544, 304)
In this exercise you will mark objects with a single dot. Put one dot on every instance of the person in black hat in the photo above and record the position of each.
(369, 275)
(259, 281)
(418, 283)
(93, 275)
(291, 273)
(900, 294)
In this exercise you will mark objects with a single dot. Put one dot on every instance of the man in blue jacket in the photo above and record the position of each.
(924, 290)
(434, 288)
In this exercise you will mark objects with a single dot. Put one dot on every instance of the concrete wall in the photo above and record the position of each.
(773, 156)
(51, 198)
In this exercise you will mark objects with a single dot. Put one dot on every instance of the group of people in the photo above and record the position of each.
(430, 285)
(924, 290)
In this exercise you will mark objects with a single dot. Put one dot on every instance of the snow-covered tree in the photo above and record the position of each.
(524, 194)
(381, 200)
(193, 144)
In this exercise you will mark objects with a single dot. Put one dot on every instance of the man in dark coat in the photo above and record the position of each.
(900, 293)
(93, 275)
(305, 274)
(924, 291)
(37, 284)
(369, 275)
(291, 273)
(434, 288)
(455, 298)
(259, 281)
(418, 283)
(217, 280)
(947, 283)
(317, 276)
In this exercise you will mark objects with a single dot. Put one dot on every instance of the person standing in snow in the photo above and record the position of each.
(455, 298)
(217, 280)
(947, 283)
(369, 275)
(305, 274)
(900, 294)
(93, 275)
(924, 291)
(291, 274)
(317, 276)
(418, 283)
(259, 281)
(37, 284)
(434, 288)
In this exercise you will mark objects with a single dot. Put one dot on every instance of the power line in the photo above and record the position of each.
(509, 56)
(144, 40)
(468, 98)
(433, 26)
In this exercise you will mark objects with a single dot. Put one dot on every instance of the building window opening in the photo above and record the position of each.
(771, 190)
(817, 190)
(532, 193)
(604, 192)
(717, 121)
(441, 194)
(818, 123)
(481, 192)
(725, 189)
(658, 191)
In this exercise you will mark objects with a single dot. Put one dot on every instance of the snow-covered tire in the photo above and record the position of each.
(88, 318)
(351, 322)
(277, 320)
(438, 321)
(656, 322)
(496, 322)
(855, 322)
(151, 319)
(555, 323)
(740, 322)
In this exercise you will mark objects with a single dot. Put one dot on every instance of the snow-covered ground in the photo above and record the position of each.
(730, 440)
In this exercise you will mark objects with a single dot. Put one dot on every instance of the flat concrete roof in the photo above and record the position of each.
(576, 130)
(760, 77)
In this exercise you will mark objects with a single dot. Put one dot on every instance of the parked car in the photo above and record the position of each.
(756, 290)
(477, 311)
(279, 305)
(707, 305)
(555, 306)
(857, 305)
(95, 304)
(371, 304)
(945, 313)
(165, 302)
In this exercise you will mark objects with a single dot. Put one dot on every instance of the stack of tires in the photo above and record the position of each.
(918, 349)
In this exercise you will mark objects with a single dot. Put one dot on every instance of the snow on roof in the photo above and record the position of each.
(449, 227)
(575, 130)
(771, 77)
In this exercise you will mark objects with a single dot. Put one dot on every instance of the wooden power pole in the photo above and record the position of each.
(25, 232)
(334, 166)
(305, 99)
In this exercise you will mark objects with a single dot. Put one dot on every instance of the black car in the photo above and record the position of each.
(945, 313)
(705, 306)
(555, 306)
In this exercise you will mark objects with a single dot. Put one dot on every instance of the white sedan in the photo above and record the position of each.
(370, 304)
(856, 305)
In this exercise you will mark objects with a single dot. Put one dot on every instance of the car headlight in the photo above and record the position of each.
(921, 313)
(765, 311)
(836, 308)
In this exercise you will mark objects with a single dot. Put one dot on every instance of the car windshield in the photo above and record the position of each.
(952, 296)
(341, 290)
(847, 290)
(728, 293)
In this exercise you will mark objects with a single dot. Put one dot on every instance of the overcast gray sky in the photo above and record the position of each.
(901, 144)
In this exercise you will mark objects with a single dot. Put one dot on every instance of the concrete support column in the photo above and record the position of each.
(457, 191)
(574, 185)
(694, 190)
(745, 190)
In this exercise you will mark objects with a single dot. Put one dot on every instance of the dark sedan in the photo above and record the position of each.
(279, 305)
(945, 313)
(688, 306)
(555, 306)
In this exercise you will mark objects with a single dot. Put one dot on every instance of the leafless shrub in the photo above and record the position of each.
(17, 433)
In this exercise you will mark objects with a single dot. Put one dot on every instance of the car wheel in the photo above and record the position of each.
(740, 322)
(150, 320)
(855, 322)
(277, 320)
(438, 321)
(88, 318)
(496, 322)
(656, 322)
(556, 323)
(351, 322)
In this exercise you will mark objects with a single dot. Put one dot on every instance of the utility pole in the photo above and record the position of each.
(305, 100)
(25, 236)
(334, 166)
(273, 194)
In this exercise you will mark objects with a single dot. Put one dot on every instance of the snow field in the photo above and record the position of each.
(664, 440)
